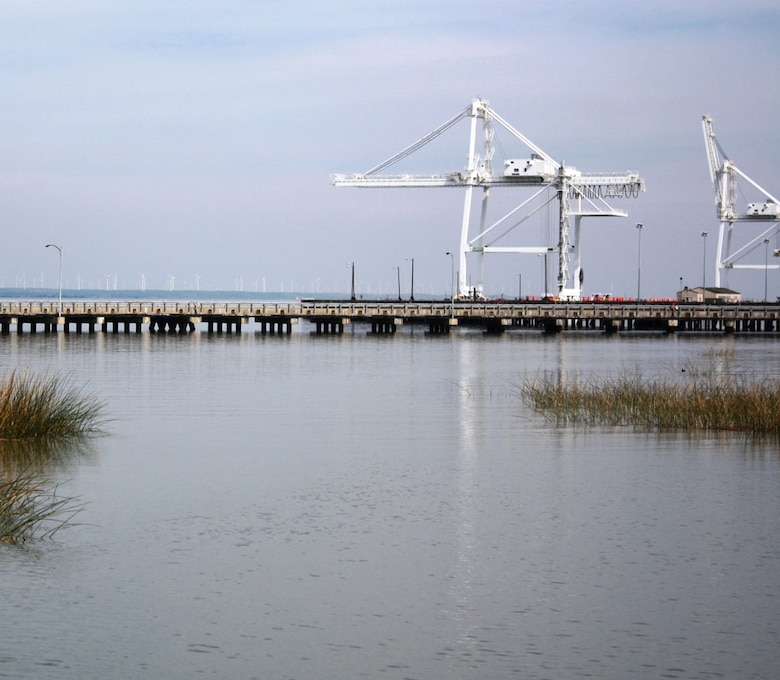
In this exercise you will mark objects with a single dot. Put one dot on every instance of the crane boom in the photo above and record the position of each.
(628, 182)
(577, 194)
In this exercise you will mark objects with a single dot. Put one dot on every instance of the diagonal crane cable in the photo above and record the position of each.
(419, 143)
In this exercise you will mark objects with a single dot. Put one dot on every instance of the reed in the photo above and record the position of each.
(47, 407)
(699, 403)
(29, 508)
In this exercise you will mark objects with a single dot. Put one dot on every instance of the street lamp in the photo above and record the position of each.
(519, 287)
(452, 283)
(398, 273)
(766, 266)
(639, 227)
(411, 294)
(59, 250)
(704, 235)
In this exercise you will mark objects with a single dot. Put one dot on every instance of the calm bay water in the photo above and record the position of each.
(386, 507)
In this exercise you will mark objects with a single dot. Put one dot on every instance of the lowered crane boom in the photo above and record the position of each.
(577, 195)
(724, 175)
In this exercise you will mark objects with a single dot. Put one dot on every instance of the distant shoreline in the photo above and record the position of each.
(163, 295)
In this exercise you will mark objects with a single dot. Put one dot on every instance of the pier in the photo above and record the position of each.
(333, 317)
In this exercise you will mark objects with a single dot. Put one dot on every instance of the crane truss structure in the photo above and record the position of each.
(576, 194)
(724, 175)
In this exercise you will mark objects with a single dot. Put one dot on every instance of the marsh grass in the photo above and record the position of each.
(701, 402)
(42, 419)
(47, 407)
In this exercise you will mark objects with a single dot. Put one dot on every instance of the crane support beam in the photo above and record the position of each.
(577, 194)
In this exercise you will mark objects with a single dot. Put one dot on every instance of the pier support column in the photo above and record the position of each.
(496, 326)
(329, 326)
(384, 326)
(439, 326)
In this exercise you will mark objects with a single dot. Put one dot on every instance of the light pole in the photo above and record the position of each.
(351, 265)
(59, 250)
(398, 274)
(411, 293)
(452, 283)
(639, 227)
(704, 235)
(766, 266)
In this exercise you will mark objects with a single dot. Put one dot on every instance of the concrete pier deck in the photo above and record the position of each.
(386, 317)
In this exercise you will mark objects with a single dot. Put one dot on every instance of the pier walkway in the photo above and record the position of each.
(328, 317)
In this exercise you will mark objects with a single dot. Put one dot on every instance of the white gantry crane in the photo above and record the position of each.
(723, 174)
(576, 194)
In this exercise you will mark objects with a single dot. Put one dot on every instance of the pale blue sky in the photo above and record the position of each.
(196, 138)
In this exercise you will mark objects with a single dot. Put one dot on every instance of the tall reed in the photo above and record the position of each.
(45, 407)
(701, 403)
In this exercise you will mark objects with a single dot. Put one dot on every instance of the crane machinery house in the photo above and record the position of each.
(535, 167)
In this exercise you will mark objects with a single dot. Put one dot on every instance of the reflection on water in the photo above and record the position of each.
(46, 455)
(311, 507)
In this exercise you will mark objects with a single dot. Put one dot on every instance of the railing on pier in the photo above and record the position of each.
(148, 308)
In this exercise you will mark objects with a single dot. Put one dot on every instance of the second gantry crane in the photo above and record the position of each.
(724, 174)
(576, 194)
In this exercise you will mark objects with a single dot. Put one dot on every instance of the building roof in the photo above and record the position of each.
(714, 290)
(722, 291)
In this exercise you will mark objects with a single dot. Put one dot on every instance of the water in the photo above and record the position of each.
(386, 507)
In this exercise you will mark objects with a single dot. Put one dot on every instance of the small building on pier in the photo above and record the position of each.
(709, 294)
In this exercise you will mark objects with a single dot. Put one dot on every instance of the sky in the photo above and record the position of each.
(190, 144)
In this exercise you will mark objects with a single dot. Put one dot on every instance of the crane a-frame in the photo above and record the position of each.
(577, 195)
(723, 174)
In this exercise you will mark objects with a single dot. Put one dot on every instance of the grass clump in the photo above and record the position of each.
(28, 508)
(47, 407)
(701, 403)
